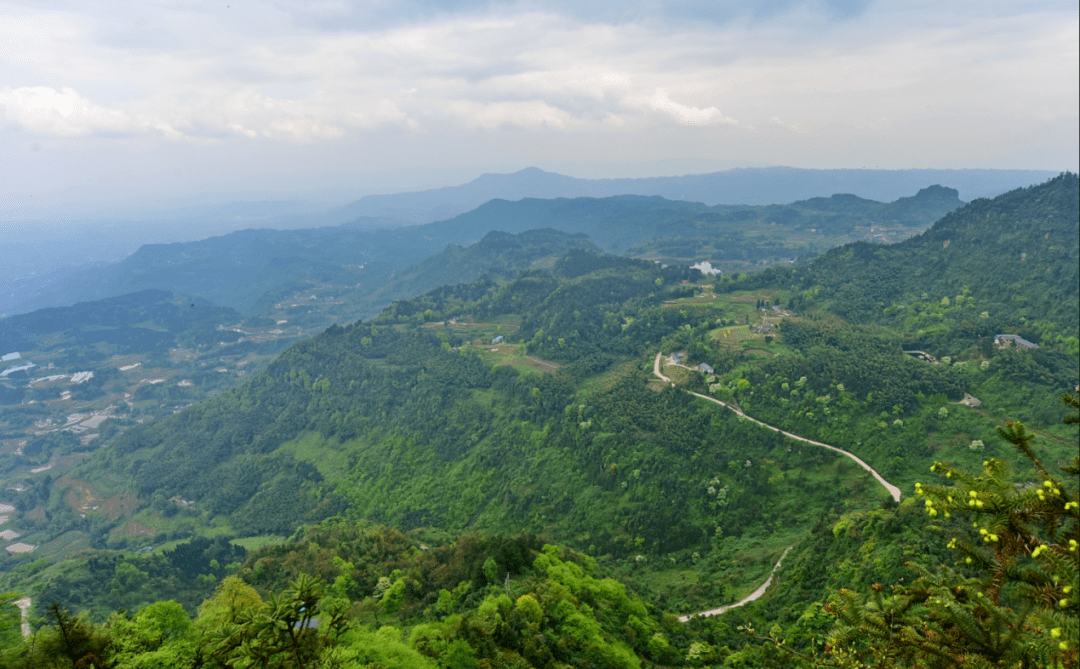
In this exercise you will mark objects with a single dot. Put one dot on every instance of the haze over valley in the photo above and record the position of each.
(504, 335)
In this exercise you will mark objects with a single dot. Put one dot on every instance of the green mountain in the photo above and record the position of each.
(354, 272)
(1010, 264)
(749, 186)
(684, 433)
(137, 321)
(498, 255)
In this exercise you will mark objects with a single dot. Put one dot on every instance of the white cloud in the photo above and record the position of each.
(217, 78)
(896, 84)
(532, 114)
(685, 114)
(62, 113)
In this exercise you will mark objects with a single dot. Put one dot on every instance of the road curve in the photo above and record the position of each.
(893, 490)
(24, 615)
(753, 596)
(656, 369)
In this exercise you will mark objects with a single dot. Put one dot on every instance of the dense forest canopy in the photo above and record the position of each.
(1010, 264)
(541, 466)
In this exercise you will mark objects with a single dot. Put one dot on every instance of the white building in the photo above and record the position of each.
(706, 268)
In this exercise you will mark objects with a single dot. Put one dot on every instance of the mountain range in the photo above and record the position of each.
(42, 256)
(360, 266)
(691, 438)
(744, 186)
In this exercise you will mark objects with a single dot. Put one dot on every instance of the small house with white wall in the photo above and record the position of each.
(1006, 340)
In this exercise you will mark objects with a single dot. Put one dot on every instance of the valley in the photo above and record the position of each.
(617, 440)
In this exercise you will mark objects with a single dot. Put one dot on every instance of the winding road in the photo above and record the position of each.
(753, 596)
(893, 490)
(756, 594)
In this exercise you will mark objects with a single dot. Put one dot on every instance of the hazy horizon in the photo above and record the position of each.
(119, 108)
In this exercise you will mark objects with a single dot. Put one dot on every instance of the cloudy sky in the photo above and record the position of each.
(121, 104)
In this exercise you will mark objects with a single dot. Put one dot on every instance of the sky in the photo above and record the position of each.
(110, 106)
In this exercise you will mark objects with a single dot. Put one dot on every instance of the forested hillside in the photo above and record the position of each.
(351, 594)
(355, 272)
(147, 354)
(675, 432)
(128, 322)
(655, 227)
(1011, 264)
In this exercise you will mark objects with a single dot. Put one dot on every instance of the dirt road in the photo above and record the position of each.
(544, 365)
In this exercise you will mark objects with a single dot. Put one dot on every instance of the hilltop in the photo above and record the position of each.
(356, 272)
(597, 402)
(742, 186)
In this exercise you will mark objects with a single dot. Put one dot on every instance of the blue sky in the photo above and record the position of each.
(116, 105)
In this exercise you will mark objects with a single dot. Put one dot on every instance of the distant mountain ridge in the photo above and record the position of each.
(627, 221)
(744, 186)
(266, 267)
(1013, 258)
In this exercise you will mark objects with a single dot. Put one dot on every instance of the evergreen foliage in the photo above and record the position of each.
(1009, 264)
(404, 420)
(1011, 601)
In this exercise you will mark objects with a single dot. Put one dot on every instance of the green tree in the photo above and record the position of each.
(74, 638)
(158, 636)
(282, 632)
(10, 617)
(1010, 600)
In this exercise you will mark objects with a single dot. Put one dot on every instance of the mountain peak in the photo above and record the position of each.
(938, 191)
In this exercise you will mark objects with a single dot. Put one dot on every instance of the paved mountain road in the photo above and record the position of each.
(756, 594)
(893, 490)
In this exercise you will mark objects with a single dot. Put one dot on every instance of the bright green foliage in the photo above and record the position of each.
(9, 623)
(158, 636)
(1011, 601)
(382, 649)
(281, 632)
(558, 614)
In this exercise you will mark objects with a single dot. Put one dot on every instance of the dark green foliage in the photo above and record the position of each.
(1014, 257)
(44, 446)
(864, 362)
(137, 322)
(199, 555)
